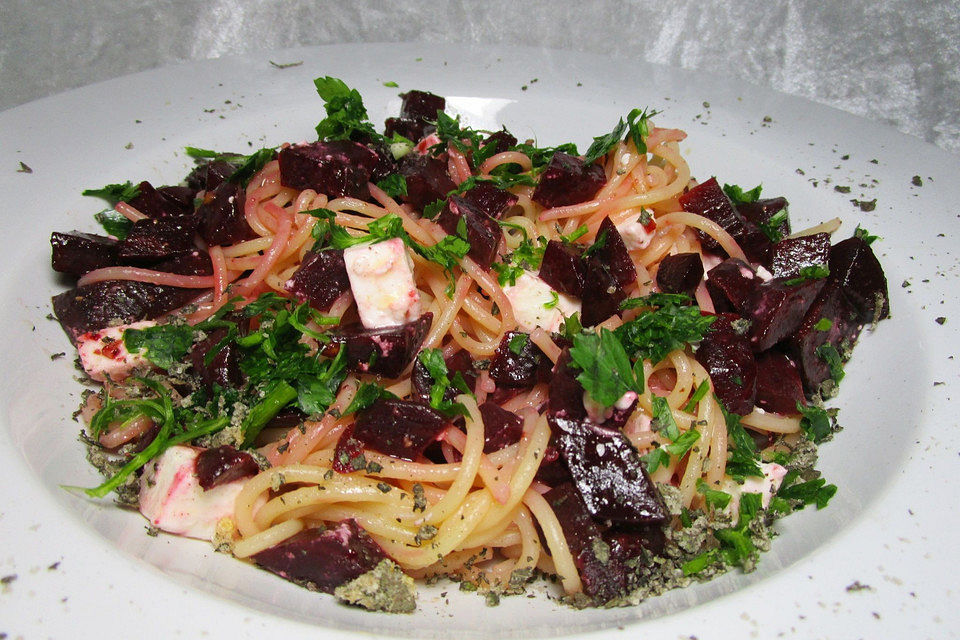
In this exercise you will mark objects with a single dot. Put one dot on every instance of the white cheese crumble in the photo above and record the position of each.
(381, 279)
(104, 355)
(535, 304)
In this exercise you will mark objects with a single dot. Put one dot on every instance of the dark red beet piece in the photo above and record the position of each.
(210, 175)
(483, 232)
(154, 239)
(563, 268)
(613, 253)
(398, 428)
(195, 263)
(387, 350)
(489, 199)
(779, 388)
(221, 465)
(222, 221)
(708, 200)
(336, 168)
(501, 427)
(518, 370)
(680, 273)
(503, 139)
(113, 302)
(776, 309)
(348, 454)
(761, 211)
(78, 253)
(601, 572)
(636, 542)
(790, 255)
(413, 130)
(460, 362)
(601, 294)
(844, 328)
(324, 559)
(566, 392)
(223, 369)
(568, 180)
(608, 472)
(854, 265)
(731, 284)
(427, 180)
(320, 279)
(421, 105)
(164, 202)
(553, 470)
(726, 355)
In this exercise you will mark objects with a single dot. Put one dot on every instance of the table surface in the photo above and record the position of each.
(893, 61)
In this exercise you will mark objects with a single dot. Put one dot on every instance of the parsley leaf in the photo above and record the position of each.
(638, 125)
(684, 443)
(606, 373)
(771, 228)
(697, 396)
(603, 144)
(815, 423)
(816, 491)
(115, 224)
(738, 196)
(666, 325)
(432, 360)
(813, 272)
(114, 193)
(245, 165)
(367, 394)
(165, 345)
(346, 116)
(712, 497)
(655, 459)
(865, 235)
(518, 342)
(829, 354)
(394, 185)
(663, 421)
(743, 459)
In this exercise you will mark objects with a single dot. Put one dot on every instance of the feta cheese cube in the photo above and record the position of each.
(635, 234)
(381, 279)
(172, 499)
(104, 355)
(535, 304)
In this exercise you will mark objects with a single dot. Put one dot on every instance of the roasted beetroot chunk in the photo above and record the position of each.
(777, 308)
(568, 180)
(831, 320)
(612, 253)
(324, 559)
(387, 350)
(563, 268)
(566, 392)
(221, 465)
(427, 180)
(608, 473)
(854, 265)
(223, 369)
(491, 200)
(519, 367)
(113, 302)
(501, 427)
(761, 211)
(779, 388)
(410, 129)
(680, 273)
(731, 284)
(708, 200)
(790, 255)
(601, 294)
(726, 355)
(336, 168)
(320, 279)
(398, 428)
(79, 253)
(636, 542)
(153, 239)
(601, 572)
(460, 362)
(483, 232)
(210, 175)
(164, 202)
(222, 221)
(421, 105)
(195, 263)
(503, 140)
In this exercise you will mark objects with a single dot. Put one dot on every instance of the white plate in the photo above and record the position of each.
(877, 562)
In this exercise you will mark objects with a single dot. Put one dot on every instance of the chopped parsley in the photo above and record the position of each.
(114, 193)
(813, 272)
(346, 116)
(115, 224)
(829, 354)
(432, 360)
(606, 373)
(666, 323)
(165, 345)
(738, 196)
(246, 165)
(518, 342)
(771, 228)
(394, 185)
(815, 422)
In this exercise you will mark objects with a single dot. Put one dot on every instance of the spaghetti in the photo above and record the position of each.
(488, 514)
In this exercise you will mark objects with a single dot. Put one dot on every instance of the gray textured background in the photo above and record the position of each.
(894, 61)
